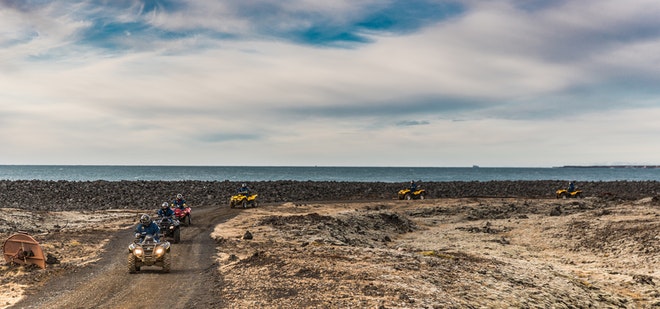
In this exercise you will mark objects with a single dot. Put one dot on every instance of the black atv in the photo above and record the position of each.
(169, 228)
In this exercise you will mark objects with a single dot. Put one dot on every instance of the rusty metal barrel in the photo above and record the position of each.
(22, 249)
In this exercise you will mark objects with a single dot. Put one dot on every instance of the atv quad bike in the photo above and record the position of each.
(243, 200)
(563, 193)
(148, 252)
(169, 228)
(406, 194)
(183, 215)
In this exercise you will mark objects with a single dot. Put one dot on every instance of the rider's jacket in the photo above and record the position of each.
(168, 212)
(151, 229)
(179, 203)
(244, 190)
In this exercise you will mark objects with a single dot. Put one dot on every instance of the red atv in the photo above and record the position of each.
(183, 215)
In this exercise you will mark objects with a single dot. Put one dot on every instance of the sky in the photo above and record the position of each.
(510, 83)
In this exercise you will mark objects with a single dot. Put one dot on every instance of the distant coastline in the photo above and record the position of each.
(610, 166)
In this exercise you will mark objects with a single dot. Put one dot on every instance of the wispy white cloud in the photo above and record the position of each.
(337, 83)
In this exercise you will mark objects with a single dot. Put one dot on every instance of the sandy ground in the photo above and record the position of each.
(434, 253)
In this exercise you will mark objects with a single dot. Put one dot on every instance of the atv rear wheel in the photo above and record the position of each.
(177, 235)
(422, 196)
(131, 263)
(408, 196)
(244, 204)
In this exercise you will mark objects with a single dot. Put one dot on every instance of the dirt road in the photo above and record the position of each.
(107, 283)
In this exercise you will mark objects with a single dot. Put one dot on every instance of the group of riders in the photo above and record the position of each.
(147, 226)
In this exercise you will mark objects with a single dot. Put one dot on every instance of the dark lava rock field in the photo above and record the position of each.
(93, 195)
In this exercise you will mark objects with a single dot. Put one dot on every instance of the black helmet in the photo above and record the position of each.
(145, 219)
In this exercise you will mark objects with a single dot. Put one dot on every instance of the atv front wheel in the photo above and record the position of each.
(244, 204)
(188, 220)
(408, 197)
(131, 263)
(167, 262)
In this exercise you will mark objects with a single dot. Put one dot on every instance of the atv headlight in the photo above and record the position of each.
(138, 251)
(159, 251)
(171, 227)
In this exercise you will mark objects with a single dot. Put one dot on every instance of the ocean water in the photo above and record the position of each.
(313, 173)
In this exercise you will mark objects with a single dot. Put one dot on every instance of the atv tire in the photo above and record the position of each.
(131, 264)
(177, 235)
(408, 197)
(167, 262)
(422, 196)
(244, 204)
(188, 220)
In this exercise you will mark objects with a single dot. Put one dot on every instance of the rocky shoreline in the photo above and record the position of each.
(93, 195)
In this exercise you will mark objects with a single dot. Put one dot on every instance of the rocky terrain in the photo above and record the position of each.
(336, 244)
(97, 195)
(449, 253)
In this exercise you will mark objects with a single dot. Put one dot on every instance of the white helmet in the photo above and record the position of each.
(179, 196)
(145, 219)
(165, 205)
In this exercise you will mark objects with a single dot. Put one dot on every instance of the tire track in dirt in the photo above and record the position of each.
(107, 283)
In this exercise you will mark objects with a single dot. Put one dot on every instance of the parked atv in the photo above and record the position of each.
(183, 215)
(243, 200)
(563, 193)
(406, 194)
(169, 228)
(145, 251)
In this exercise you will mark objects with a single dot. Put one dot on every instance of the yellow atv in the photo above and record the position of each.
(406, 194)
(243, 200)
(563, 193)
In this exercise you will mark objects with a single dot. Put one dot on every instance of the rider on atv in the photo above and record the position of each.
(413, 186)
(179, 202)
(146, 227)
(571, 186)
(244, 190)
(165, 211)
